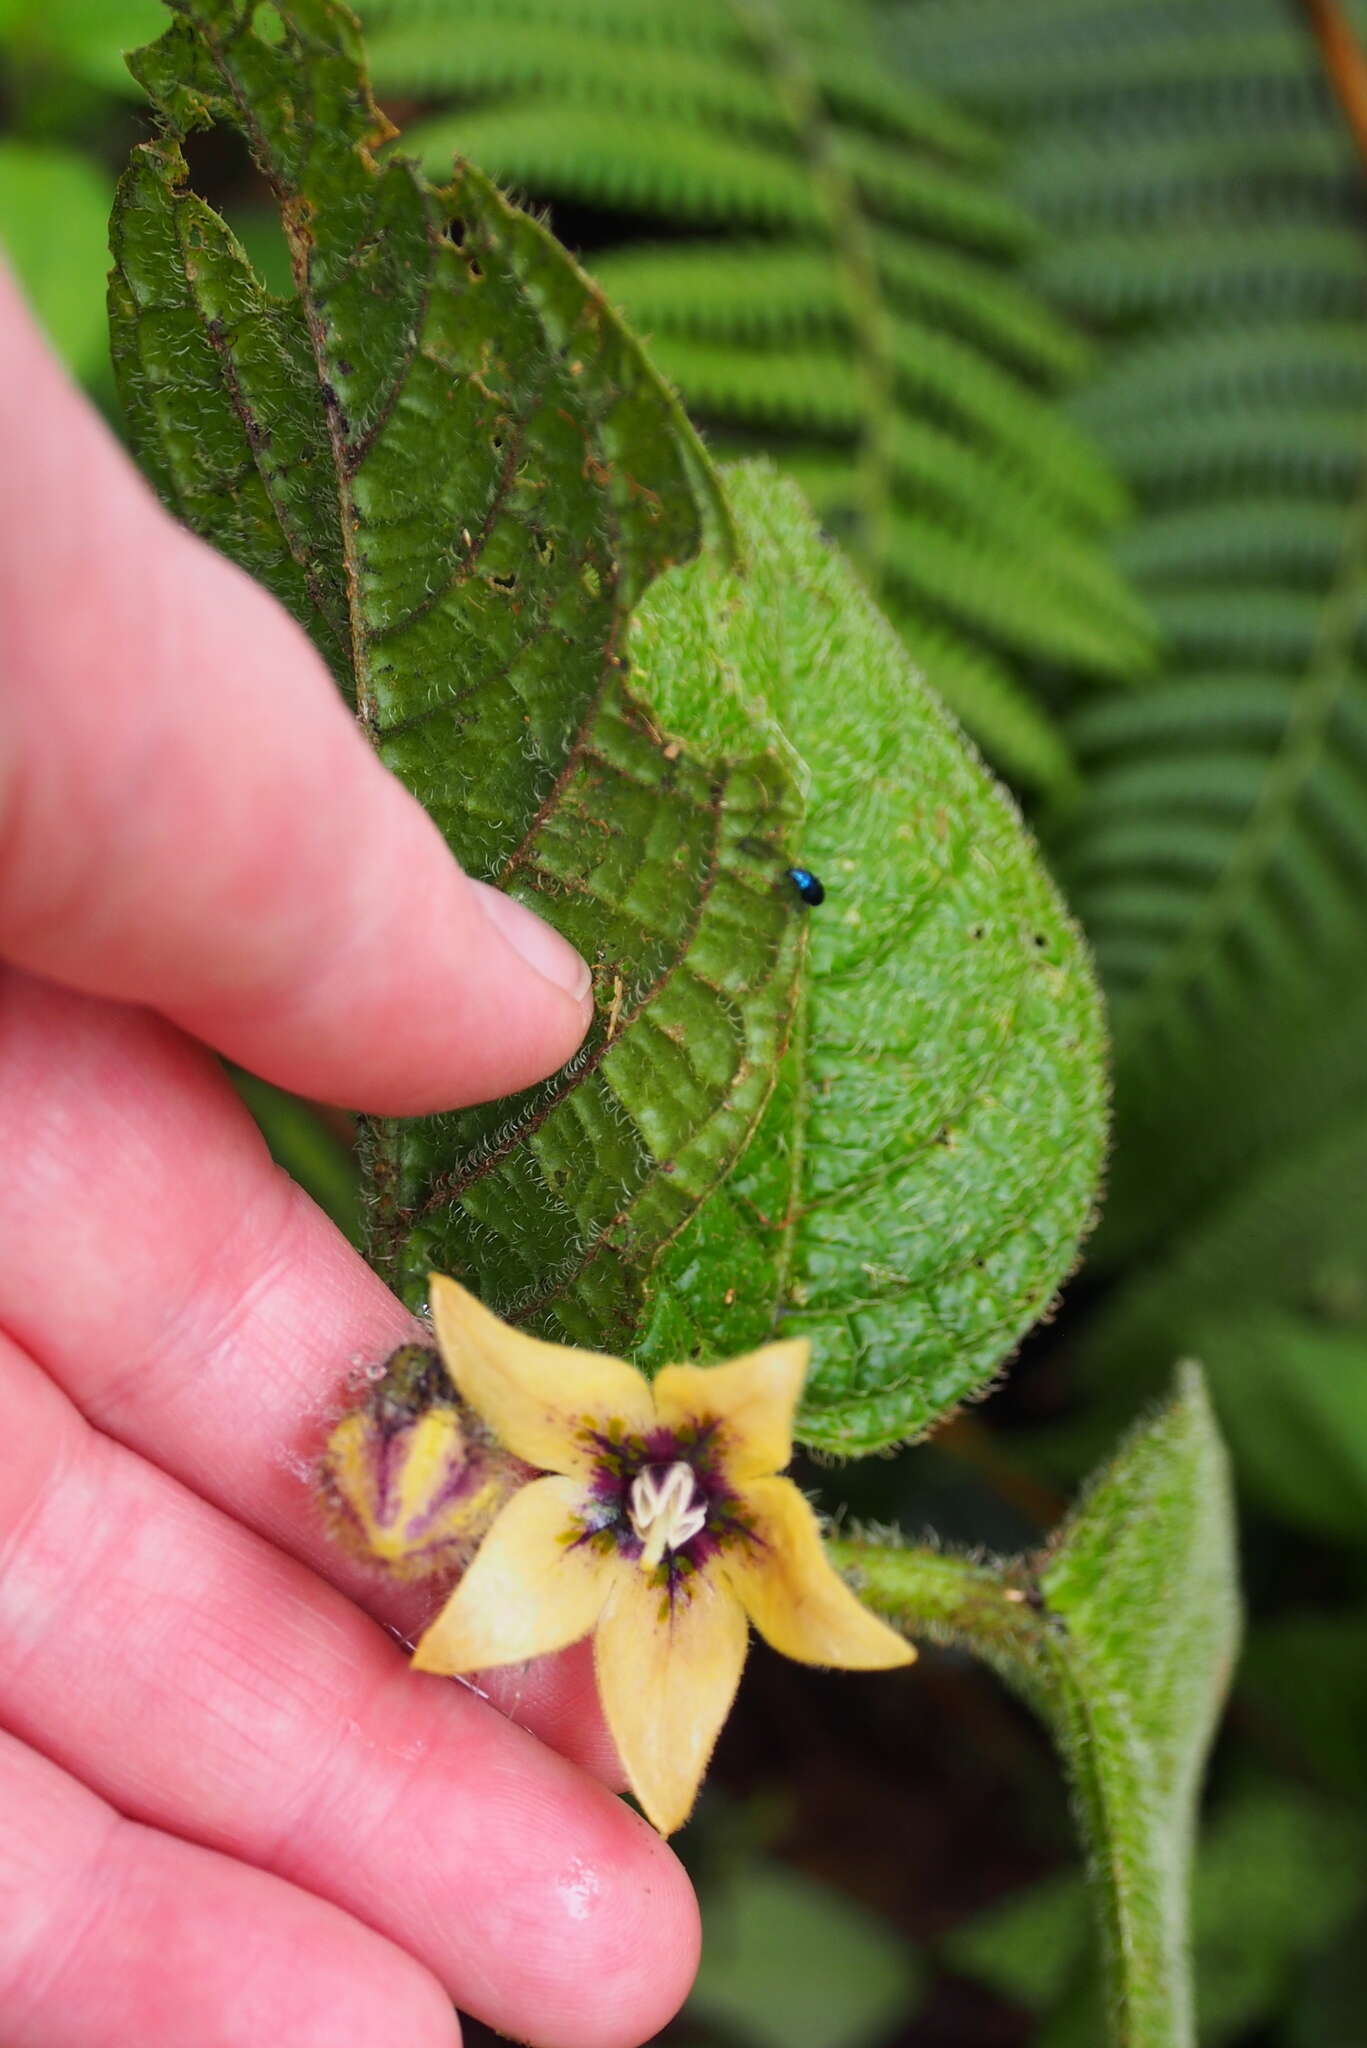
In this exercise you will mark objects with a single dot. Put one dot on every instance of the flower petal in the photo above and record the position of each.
(667, 1674)
(538, 1399)
(530, 1590)
(794, 1595)
(754, 1397)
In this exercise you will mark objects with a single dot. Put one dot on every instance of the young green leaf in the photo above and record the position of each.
(1144, 1580)
(917, 1189)
(1123, 1638)
(451, 461)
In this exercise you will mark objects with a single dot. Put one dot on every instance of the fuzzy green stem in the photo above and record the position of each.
(1000, 1613)
(993, 1610)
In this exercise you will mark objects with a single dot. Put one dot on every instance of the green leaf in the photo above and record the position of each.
(1028, 1948)
(918, 1186)
(83, 38)
(1279, 1874)
(1284, 1238)
(53, 208)
(1327, 2003)
(448, 457)
(1304, 1677)
(792, 1964)
(305, 1141)
(447, 450)
(554, 1205)
(1123, 1637)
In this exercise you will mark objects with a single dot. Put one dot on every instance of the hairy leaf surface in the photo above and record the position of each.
(451, 461)
(1145, 1579)
(921, 1178)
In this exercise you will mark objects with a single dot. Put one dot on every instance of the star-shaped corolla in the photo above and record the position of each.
(661, 1528)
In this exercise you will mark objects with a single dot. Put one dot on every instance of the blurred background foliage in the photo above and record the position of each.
(1058, 311)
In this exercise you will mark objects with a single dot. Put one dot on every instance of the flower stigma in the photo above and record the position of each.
(667, 1510)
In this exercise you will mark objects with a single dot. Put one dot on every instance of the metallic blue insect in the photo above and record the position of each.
(808, 887)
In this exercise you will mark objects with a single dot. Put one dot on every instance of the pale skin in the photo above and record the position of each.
(229, 1812)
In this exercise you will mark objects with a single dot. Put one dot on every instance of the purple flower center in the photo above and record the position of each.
(662, 1500)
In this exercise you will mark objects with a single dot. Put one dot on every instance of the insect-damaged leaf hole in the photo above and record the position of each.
(222, 173)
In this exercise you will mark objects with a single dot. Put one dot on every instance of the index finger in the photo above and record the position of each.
(191, 819)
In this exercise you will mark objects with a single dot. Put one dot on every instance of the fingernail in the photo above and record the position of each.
(540, 947)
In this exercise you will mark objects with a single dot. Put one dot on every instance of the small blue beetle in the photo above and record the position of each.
(808, 886)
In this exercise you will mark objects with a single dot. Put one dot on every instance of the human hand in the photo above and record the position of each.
(230, 1813)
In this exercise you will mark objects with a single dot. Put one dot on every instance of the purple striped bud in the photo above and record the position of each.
(411, 1479)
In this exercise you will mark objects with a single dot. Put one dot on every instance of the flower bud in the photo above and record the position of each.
(410, 1479)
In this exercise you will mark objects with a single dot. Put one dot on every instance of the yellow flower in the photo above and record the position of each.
(662, 1530)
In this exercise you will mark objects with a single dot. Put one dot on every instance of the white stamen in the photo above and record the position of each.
(667, 1510)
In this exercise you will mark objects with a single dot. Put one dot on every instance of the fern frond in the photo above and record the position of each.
(1205, 201)
(811, 387)
(818, 387)
(1056, 56)
(1182, 272)
(1249, 539)
(745, 287)
(1280, 1231)
(978, 495)
(975, 486)
(1268, 363)
(980, 303)
(673, 169)
(1061, 605)
(703, 24)
(1257, 628)
(848, 295)
(1205, 710)
(1184, 455)
(931, 196)
(1306, 170)
(1140, 908)
(1227, 786)
(575, 65)
(731, 288)
(935, 567)
(960, 383)
(989, 703)
(1184, 848)
(856, 84)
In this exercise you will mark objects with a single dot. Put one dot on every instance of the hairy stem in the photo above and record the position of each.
(1000, 1613)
